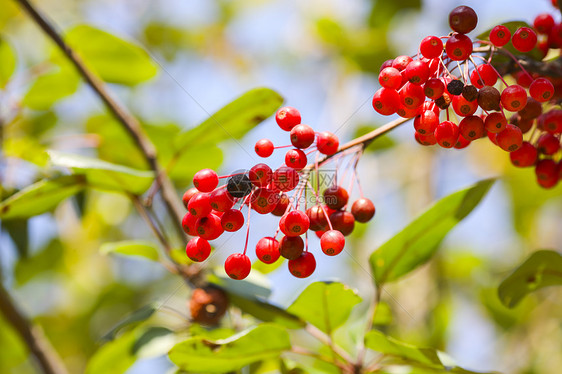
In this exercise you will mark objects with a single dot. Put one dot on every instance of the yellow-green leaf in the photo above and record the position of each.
(8, 62)
(139, 248)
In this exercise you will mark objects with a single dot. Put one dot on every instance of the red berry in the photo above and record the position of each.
(200, 204)
(407, 112)
(434, 88)
(264, 148)
(221, 200)
(205, 180)
(291, 247)
(523, 79)
(472, 127)
(431, 47)
(386, 64)
(500, 36)
(510, 139)
(541, 90)
(302, 136)
(188, 224)
(495, 122)
(303, 266)
(260, 175)
(343, 221)
(547, 173)
(447, 134)
(296, 223)
(552, 121)
(426, 140)
(188, 195)
(483, 75)
(390, 78)
(458, 47)
(335, 197)
(281, 206)
(327, 143)
(263, 200)
(412, 96)
(267, 250)
(462, 142)
(209, 227)
(543, 23)
(463, 107)
(386, 101)
(525, 156)
(237, 266)
(514, 98)
(548, 144)
(232, 220)
(285, 179)
(426, 122)
(401, 62)
(363, 210)
(417, 72)
(198, 249)
(524, 39)
(287, 118)
(296, 159)
(318, 220)
(332, 242)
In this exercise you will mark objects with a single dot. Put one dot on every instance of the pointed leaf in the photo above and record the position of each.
(542, 269)
(114, 59)
(418, 241)
(40, 197)
(325, 305)
(104, 175)
(198, 355)
(139, 248)
(7, 62)
(232, 121)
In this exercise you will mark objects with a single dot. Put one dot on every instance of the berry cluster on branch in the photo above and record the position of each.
(448, 72)
(214, 210)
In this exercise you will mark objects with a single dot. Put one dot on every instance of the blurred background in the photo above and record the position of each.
(323, 57)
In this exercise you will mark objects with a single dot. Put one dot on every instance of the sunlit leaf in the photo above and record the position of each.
(7, 62)
(40, 197)
(49, 88)
(233, 120)
(14, 351)
(137, 248)
(114, 59)
(104, 175)
(542, 269)
(114, 357)
(418, 241)
(325, 305)
(199, 355)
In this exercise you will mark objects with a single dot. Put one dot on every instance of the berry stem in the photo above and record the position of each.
(247, 229)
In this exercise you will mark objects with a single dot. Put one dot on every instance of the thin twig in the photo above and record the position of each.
(322, 337)
(129, 122)
(32, 335)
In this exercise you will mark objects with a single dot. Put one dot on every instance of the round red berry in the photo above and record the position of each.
(264, 148)
(524, 39)
(303, 266)
(343, 221)
(514, 98)
(267, 250)
(285, 179)
(209, 227)
(463, 19)
(296, 159)
(431, 47)
(525, 156)
(302, 136)
(296, 223)
(541, 89)
(447, 134)
(291, 247)
(363, 210)
(327, 143)
(200, 204)
(232, 220)
(500, 35)
(221, 200)
(386, 101)
(287, 118)
(390, 78)
(510, 139)
(237, 266)
(472, 127)
(458, 47)
(335, 197)
(332, 242)
(434, 88)
(188, 195)
(198, 249)
(260, 175)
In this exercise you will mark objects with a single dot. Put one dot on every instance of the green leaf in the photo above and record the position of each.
(139, 248)
(51, 87)
(325, 305)
(18, 231)
(14, 352)
(47, 259)
(542, 269)
(266, 312)
(254, 286)
(387, 345)
(380, 144)
(104, 175)
(40, 197)
(8, 62)
(233, 120)
(114, 357)
(417, 242)
(199, 355)
(114, 59)
(139, 315)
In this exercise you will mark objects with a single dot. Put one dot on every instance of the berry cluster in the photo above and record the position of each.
(450, 72)
(214, 209)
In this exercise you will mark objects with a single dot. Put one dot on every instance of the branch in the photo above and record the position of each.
(33, 336)
(129, 122)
